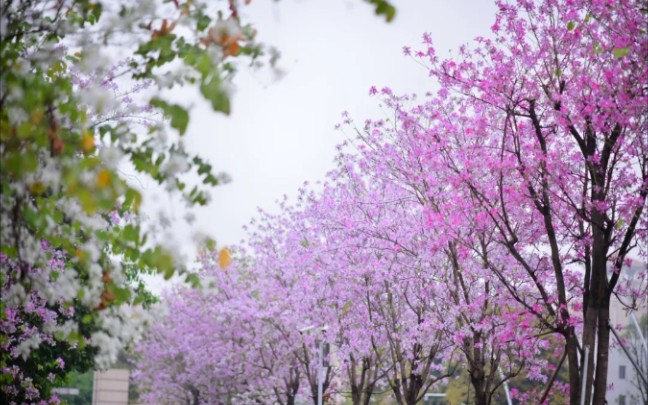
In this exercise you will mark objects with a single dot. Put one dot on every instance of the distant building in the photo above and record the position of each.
(110, 387)
(622, 375)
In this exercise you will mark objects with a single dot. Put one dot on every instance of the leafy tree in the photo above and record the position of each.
(84, 383)
(73, 245)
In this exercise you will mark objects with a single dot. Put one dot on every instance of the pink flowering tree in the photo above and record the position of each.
(467, 301)
(361, 286)
(233, 339)
(541, 129)
(325, 273)
(381, 288)
(190, 355)
(281, 248)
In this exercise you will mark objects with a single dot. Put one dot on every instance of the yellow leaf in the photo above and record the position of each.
(224, 258)
(37, 117)
(87, 142)
(37, 188)
(103, 178)
(137, 201)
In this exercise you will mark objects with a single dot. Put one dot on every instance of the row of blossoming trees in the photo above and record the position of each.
(77, 132)
(485, 228)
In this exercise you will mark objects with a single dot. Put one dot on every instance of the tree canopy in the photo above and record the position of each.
(83, 100)
(484, 227)
(481, 229)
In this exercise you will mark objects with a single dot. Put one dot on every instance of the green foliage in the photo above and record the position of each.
(459, 390)
(620, 52)
(383, 8)
(61, 144)
(179, 116)
(82, 381)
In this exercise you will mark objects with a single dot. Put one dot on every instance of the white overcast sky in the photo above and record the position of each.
(281, 132)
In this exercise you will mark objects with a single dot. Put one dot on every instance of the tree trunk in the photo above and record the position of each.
(479, 385)
(572, 363)
(589, 335)
(368, 391)
(477, 374)
(355, 395)
(596, 318)
(293, 388)
(361, 389)
(195, 396)
(600, 383)
(414, 388)
(396, 388)
(477, 369)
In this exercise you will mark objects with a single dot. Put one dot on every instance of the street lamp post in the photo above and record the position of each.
(320, 360)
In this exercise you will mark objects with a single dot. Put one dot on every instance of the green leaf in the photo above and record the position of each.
(620, 52)
(213, 91)
(121, 294)
(168, 273)
(597, 48)
(345, 308)
(210, 244)
(158, 260)
(95, 14)
(203, 22)
(203, 64)
(88, 200)
(179, 116)
(133, 199)
(193, 279)
(571, 25)
(384, 8)
(131, 233)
